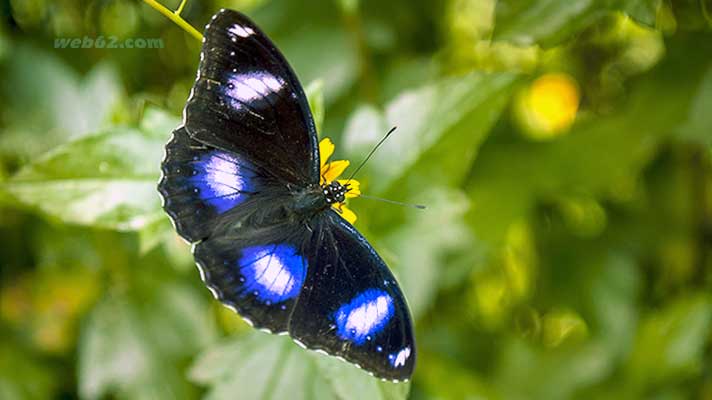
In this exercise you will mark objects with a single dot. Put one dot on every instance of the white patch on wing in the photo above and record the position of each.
(271, 273)
(272, 83)
(223, 176)
(252, 86)
(363, 319)
(400, 358)
(241, 31)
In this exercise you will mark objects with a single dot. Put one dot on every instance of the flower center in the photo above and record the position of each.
(334, 192)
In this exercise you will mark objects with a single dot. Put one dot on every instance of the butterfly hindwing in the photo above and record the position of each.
(351, 305)
(259, 273)
(247, 100)
(200, 183)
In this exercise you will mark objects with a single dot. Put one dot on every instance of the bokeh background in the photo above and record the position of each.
(563, 148)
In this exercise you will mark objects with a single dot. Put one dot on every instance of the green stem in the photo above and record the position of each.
(180, 7)
(175, 17)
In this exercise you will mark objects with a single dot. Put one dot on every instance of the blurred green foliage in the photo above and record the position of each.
(574, 262)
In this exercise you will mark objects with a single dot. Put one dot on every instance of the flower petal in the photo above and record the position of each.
(346, 212)
(334, 169)
(326, 149)
(354, 188)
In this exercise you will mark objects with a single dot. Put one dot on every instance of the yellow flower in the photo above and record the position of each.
(330, 171)
(549, 106)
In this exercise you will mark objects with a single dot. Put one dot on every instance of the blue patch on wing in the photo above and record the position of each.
(272, 273)
(364, 316)
(221, 180)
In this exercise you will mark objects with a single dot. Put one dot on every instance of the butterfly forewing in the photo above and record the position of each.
(248, 100)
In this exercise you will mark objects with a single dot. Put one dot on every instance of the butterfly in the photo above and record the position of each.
(241, 181)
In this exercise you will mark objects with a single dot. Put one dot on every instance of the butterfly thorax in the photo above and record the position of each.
(315, 199)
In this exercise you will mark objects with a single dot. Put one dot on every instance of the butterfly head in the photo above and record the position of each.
(335, 192)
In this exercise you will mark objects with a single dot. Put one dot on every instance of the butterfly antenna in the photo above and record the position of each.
(363, 196)
(380, 142)
(418, 206)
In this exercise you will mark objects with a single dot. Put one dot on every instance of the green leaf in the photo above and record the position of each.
(322, 53)
(643, 11)
(113, 351)
(132, 345)
(523, 21)
(68, 108)
(184, 310)
(23, 376)
(259, 366)
(107, 180)
(158, 123)
(434, 122)
(315, 96)
(155, 233)
(420, 255)
(551, 22)
(678, 334)
(530, 372)
(699, 120)
(599, 157)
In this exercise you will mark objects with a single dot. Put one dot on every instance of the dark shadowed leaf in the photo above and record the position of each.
(550, 22)
(23, 376)
(699, 120)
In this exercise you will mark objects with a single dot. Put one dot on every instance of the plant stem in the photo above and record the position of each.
(175, 17)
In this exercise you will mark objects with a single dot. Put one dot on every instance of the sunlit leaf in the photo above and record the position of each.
(158, 123)
(106, 180)
(273, 367)
(69, 107)
(678, 334)
(418, 255)
(133, 350)
(315, 96)
(434, 122)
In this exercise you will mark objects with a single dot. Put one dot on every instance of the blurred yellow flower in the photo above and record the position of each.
(548, 107)
(330, 171)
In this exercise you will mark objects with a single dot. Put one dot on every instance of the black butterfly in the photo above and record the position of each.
(241, 179)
